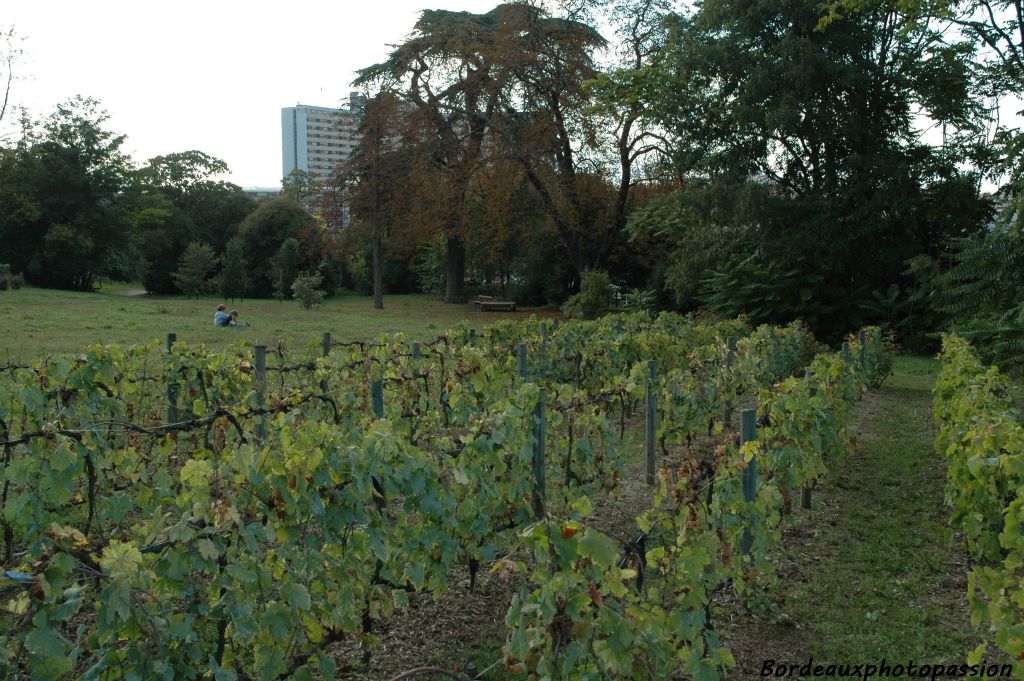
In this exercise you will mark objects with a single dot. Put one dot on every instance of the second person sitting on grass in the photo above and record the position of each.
(234, 319)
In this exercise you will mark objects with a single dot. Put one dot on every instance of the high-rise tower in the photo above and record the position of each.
(318, 139)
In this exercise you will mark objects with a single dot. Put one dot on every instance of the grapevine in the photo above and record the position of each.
(981, 435)
(276, 514)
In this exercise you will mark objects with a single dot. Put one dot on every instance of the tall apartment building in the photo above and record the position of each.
(318, 139)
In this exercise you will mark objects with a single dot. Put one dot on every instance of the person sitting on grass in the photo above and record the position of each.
(234, 319)
(221, 317)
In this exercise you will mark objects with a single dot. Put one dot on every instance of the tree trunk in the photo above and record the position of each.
(378, 277)
(455, 271)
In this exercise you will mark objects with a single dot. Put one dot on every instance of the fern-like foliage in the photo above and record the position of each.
(982, 292)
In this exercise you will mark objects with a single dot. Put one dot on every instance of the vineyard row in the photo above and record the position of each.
(266, 522)
(980, 433)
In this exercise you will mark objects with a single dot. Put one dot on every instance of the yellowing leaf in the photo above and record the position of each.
(196, 473)
(207, 549)
(120, 559)
(976, 655)
(65, 534)
(19, 605)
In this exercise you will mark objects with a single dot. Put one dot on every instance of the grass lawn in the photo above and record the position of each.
(44, 321)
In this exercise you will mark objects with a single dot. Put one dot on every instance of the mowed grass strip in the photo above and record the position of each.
(39, 322)
(890, 577)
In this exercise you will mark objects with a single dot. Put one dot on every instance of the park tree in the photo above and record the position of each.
(514, 248)
(813, 130)
(640, 28)
(11, 55)
(975, 286)
(264, 231)
(66, 175)
(995, 27)
(301, 186)
(194, 268)
(284, 268)
(20, 227)
(200, 208)
(180, 173)
(376, 178)
(217, 210)
(233, 274)
(579, 131)
(449, 72)
(162, 232)
(512, 85)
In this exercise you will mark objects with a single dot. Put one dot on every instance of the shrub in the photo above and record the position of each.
(429, 268)
(9, 280)
(594, 299)
(307, 291)
(635, 299)
(194, 267)
(358, 272)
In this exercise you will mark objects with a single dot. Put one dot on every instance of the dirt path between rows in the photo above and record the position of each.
(873, 573)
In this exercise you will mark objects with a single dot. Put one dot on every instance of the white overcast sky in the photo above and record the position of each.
(210, 75)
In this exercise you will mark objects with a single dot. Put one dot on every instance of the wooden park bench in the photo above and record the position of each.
(480, 300)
